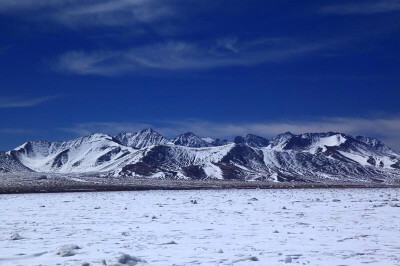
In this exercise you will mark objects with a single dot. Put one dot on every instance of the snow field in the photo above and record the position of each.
(207, 227)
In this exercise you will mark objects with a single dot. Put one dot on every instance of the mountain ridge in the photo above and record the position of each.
(309, 157)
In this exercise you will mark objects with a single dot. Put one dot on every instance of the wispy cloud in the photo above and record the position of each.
(10, 5)
(77, 13)
(16, 102)
(185, 56)
(362, 7)
(14, 131)
(115, 13)
(386, 129)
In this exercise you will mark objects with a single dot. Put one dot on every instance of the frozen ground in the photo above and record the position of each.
(35, 183)
(225, 227)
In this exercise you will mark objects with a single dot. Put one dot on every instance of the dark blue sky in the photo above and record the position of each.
(70, 68)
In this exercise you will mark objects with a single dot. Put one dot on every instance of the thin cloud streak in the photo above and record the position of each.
(172, 56)
(385, 129)
(76, 13)
(17, 102)
(14, 131)
(363, 8)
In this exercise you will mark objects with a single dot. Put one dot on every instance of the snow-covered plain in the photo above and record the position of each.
(207, 227)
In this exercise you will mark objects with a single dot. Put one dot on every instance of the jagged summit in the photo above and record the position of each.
(189, 139)
(142, 139)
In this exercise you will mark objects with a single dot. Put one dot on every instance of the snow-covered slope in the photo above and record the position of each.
(93, 153)
(190, 140)
(142, 139)
(311, 157)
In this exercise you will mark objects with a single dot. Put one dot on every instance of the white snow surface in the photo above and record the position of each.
(331, 141)
(213, 171)
(225, 227)
(362, 158)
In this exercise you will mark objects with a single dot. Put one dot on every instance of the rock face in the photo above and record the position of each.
(311, 157)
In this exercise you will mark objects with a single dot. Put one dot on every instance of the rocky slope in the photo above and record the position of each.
(8, 164)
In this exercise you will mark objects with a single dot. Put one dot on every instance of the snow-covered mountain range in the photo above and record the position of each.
(311, 157)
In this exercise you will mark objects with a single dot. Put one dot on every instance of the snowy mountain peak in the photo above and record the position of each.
(189, 139)
(93, 137)
(287, 134)
(142, 139)
(149, 131)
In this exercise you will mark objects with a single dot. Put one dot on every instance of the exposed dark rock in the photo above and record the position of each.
(194, 172)
(107, 157)
(60, 159)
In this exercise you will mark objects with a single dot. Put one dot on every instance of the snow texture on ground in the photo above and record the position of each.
(207, 227)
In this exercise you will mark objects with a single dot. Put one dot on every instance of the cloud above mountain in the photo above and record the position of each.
(18, 102)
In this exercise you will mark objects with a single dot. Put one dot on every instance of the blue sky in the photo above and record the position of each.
(220, 69)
